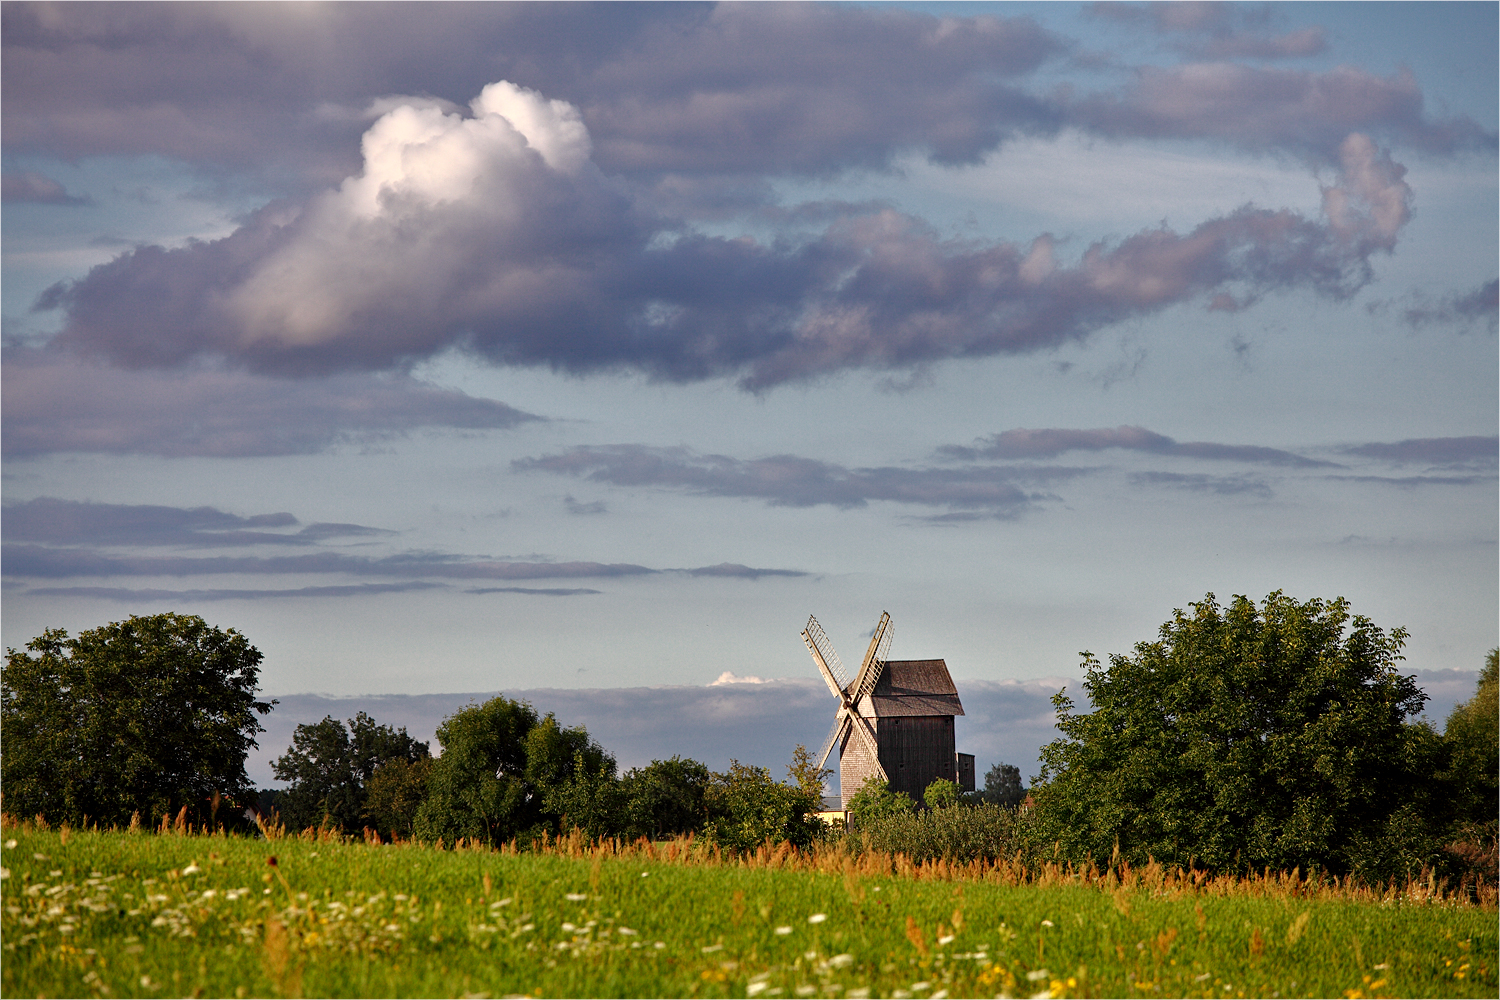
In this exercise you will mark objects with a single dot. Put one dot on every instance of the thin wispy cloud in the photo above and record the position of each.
(71, 522)
(53, 404)
(1024, 443)
(794, 481)
(295, 593)
(31, 187)
(1475, 450)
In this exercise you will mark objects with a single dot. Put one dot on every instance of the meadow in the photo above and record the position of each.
(114, 914)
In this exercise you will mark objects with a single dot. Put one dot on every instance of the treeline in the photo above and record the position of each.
(1276, 736)
(507, 774)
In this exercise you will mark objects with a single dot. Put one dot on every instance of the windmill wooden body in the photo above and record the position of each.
(894, 720)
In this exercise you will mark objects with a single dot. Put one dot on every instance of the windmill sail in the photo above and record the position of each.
(880, 647)
(822, 649)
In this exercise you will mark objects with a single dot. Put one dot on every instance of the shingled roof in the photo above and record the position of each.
(913, 687)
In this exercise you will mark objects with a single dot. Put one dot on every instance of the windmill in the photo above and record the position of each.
(895, 717)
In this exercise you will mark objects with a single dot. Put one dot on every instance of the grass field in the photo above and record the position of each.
(117, 914)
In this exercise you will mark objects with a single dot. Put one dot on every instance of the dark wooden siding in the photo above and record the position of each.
(916, 750)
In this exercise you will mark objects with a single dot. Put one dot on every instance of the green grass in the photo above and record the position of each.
(112, 914)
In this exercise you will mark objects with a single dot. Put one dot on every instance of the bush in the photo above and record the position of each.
(875, 801)
(955, 833)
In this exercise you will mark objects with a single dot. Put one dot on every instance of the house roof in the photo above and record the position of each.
(913, 687)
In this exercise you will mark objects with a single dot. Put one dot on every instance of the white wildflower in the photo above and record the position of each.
(817, 918)
(576, 897)
(783, 930)
(1037, 975)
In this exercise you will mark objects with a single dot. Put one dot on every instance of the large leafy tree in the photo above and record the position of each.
(506, 772)
(1248, 736)
(329, 769)
(146, 716)
(1473, 733)
(1002, 786)
(666, 798)
(748, 807)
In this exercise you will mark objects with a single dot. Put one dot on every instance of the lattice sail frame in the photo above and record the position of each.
(848, 722)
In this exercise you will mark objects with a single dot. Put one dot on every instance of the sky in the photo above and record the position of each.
(582, 352)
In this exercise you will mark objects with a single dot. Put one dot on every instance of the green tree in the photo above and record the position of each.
(666, 798)
(875, 801)
(329, 769)
(807, 775)
(749, 807)
(1247, 737)
(396, 791)
(1002, 786)
(146, 715)
(506, 772)
(1473, 735)
(941, 794)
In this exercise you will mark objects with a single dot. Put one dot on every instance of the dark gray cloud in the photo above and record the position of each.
(126, 594)
(1024, 443)
(29, 186)
(1217, 30)
(673, 88)
(535, 591)
(1414, 482)
(793, 481)
(31, 561)
(742, 572)
(1480, 451)
(1199, 483)
(1306, 112)
(36, 561)
(679, 87)
(577, 507)
(71, 522)
(586, 262)
(526, 262)
(52, 404)
(1479, 306)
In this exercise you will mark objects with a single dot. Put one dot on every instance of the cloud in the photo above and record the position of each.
(574, 507)
(1217, 30)
(793, 481)
(36, 561)
(1198, 483)
(1481, 451)
(1259, 108)
(730, 677)
(1023, 443)
(539, 592)
(37, 189)
(494, 234)
(680, 87)
(53, 404)
(1412, 482)
(1478, 306)
(125, 594)
(741, 572)
(71, 522)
